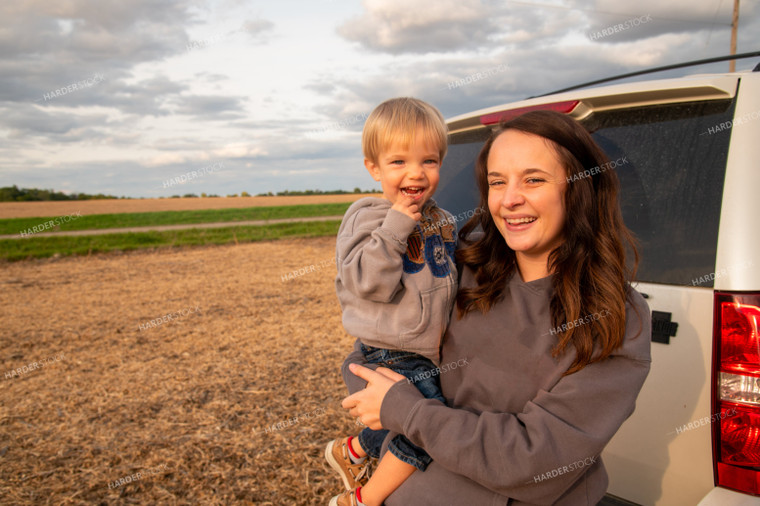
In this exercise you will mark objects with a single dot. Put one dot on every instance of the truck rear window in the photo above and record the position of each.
(671, 179)
(671, 184)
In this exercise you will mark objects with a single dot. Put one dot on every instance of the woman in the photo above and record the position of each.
(555, 342)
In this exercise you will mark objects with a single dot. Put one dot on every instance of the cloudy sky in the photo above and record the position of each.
(269, 96)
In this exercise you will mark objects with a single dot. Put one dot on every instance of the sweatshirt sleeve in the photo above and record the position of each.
(536, 455)
(369, 248)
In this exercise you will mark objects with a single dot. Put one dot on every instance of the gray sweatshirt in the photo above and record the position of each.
(514, 430)
(396, 277)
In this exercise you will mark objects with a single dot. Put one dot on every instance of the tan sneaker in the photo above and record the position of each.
(353, 475)
(347, 498)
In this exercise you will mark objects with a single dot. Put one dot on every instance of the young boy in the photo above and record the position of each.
(396, 282)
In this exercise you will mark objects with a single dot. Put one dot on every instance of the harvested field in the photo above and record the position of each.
(189, 403)
(60, 208)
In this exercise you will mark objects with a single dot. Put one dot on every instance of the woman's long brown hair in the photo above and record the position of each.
(589, 267)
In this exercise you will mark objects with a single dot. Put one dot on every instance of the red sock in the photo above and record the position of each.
(359, 494)
(351, 449)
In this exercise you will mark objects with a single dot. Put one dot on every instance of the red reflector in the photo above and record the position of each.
(496, 117)
(738, 478)
(740, 339)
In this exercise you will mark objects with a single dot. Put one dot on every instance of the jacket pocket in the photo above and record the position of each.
(433, 312)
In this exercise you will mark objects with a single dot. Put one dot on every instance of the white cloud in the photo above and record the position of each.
(419, 26)
(165, 159)
(239, 150)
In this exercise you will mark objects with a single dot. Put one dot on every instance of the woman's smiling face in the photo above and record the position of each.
(526, 185)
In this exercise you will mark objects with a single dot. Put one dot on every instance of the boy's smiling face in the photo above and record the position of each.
(407, 172)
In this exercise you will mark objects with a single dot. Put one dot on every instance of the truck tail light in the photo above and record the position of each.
(496, 117)
(736, 391)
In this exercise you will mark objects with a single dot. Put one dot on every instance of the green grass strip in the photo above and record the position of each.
(42, 247)
(11, 226)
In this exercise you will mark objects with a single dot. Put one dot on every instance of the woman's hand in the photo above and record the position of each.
(365, 404)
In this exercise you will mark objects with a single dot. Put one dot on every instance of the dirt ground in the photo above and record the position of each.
(32, 209)
(192, 403)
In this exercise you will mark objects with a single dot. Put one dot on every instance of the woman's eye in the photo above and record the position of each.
(534, 180)
(495, 183)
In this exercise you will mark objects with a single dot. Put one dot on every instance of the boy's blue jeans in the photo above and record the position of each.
(414, 367)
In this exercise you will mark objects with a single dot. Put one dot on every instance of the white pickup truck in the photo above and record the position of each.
(687, 153)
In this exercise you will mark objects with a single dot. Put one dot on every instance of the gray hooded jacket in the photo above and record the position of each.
(396, 279)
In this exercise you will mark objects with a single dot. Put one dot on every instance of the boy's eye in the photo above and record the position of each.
(397, 162)
(431, 161)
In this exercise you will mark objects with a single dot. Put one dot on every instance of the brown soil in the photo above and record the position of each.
(33, 209)
(190, 403)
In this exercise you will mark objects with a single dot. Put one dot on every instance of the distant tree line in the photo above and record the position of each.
(315, 192)
(16, 194)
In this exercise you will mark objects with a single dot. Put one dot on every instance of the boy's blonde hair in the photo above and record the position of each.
(397, 120)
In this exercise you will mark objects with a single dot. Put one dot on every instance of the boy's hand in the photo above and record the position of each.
(406, 205)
